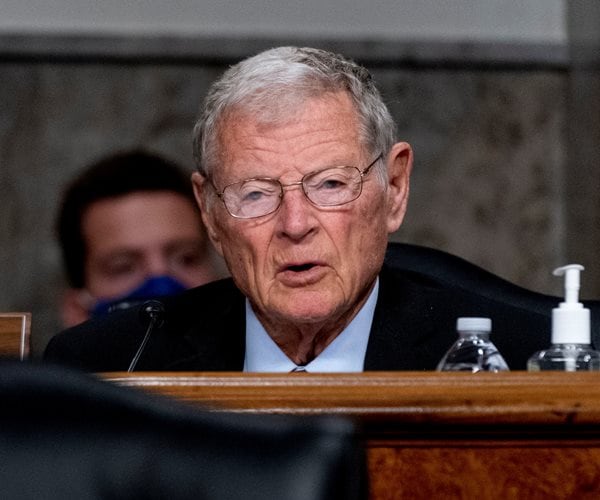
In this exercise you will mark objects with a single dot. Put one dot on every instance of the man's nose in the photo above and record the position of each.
(157, 265)
(296, 214)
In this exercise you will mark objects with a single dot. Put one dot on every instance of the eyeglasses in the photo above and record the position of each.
(261, 196)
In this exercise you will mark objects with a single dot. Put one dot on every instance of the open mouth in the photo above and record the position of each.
(300, 267)
(302, 274)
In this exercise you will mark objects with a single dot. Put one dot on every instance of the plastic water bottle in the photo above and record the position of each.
(473, 351)
(571, 349)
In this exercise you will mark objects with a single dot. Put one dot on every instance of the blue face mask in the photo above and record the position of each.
(154, 287)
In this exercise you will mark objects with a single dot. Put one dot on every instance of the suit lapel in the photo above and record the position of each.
(213, 330)
(410, 325)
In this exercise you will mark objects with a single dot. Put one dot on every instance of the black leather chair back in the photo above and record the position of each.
(455, 272)
(66, 435)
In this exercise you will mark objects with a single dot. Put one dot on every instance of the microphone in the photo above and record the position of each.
(155, 311)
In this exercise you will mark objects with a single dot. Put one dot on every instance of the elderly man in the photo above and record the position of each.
(300, 181)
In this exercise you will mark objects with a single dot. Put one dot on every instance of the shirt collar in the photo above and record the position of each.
(346, 353)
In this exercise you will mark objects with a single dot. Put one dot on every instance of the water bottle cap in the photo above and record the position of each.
(474, 324)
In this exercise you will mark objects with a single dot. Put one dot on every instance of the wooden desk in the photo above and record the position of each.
(15, 331)
(432, 435)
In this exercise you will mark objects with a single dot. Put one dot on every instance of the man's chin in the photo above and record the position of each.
(304, 306)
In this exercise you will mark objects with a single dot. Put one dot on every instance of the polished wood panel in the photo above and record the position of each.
(15, 332)
(433, 435)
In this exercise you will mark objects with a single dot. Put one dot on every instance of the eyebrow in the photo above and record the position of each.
(334, 164)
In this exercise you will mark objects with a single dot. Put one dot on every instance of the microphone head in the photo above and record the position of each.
(152, 310)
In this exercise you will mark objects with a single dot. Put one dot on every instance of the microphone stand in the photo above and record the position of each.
(155, 310)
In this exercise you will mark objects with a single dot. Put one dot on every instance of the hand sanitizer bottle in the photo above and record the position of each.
(571, 348)
(473, 351)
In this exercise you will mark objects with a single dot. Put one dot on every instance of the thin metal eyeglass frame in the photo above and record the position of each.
(362, 173)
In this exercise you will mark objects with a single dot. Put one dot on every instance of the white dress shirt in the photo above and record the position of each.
(346, 353)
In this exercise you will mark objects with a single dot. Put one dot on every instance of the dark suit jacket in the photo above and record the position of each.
(204, 330)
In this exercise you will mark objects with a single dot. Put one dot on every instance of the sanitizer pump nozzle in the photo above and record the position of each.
(570, 350)
(570, 320)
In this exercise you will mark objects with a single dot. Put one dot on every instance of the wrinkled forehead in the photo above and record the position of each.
(289, 111)
(278, 106)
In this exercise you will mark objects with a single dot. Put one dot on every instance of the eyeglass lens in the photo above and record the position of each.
(262, 196)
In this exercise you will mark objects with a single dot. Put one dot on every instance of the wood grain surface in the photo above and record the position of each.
(15, 331)
(432, 435)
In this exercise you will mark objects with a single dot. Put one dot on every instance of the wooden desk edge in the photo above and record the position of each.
(547, 398)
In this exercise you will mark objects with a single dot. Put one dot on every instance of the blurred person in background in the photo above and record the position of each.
(129, 230)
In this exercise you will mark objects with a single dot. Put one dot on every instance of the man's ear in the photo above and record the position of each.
(399, 166)
(73, 307)
(200, 184)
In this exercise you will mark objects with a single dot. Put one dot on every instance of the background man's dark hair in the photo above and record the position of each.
(110, 177)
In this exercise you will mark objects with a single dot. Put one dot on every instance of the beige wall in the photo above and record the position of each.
(540, 21)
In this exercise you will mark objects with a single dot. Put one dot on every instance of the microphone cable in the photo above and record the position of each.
(155, 310)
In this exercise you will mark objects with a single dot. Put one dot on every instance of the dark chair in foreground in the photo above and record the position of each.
(449, 270)
(66, 435)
